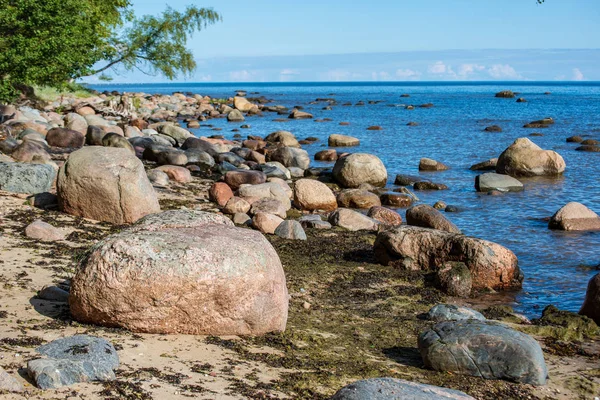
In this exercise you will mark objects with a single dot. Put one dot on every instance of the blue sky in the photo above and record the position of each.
(267, 40)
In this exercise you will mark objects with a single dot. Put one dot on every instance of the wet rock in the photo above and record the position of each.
(19, 177)
(426, 185)
(425, 216)
(53, 293)
(451, 208)
(290, 230)
(220, 193)
(326, 155)
(574, 217)
(297, 114)
(575, 326)
(352, 220)
(266, 223)
(336, 140)
(79, 358)
(311, 195)
(451, 312)
(43, 200)
(506, 94)
(407, 180)
(492, 181)
(237, 178)
(284, 138)
(396, 200)
(158, 177)
(427, 164)
(525, 158)
(521, 100)
(375, 128)
(423, 249)
(542, 123)
(591, 304)
(589, 148)
(63, 137)
(574, 139)
(493, 128)
(439, 205)
(485, 349)
(392, 388)
(105, 184)
(358, 168)
(357, 198)
(7, 382)
(489, 165)
(41, 230)
(385, 216)
(236, 205)
(180, 257)
(454, 279)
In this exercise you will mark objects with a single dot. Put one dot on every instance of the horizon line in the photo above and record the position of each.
(520, 82)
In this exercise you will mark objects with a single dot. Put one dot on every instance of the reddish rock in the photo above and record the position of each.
(375, 128)
(41, 230)
(326, 155)
(385, 216)
(310, 195)
(396, 200)
(139, 123)
(237, 178)
(85, 110)
(220, 193)
(176, 173)
(63, 137)
(254, 144)
(425, 216)
(266, 223)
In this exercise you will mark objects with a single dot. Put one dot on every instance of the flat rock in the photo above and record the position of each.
(427, 164)
(492, 181)
(396, 389)
(41, 230)
(337, 140)
(451, 312)
(489, 165)
(9, 383)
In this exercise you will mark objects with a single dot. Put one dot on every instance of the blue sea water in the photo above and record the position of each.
(557, 265)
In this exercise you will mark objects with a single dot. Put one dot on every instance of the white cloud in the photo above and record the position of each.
(289, 71)
(380, 76)
(468, 69)
(500, 71)
(407, 74)
(241, 76)
(438, 68)
(337, 75)
(577, 75)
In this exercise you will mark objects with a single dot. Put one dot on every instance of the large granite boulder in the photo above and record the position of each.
(358, 168)
(591, 304)
(416, 248)
(425, 216)
(485, 349)
(575, 217)
(311, 195)
(291, 157)
(172, 273)
(105, 184)
(492, 181)
(525, 158)
(396, 389)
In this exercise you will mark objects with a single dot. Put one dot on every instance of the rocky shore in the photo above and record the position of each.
(140, 261)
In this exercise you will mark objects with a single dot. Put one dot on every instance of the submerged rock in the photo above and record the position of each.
(492, 181)
(574, 217)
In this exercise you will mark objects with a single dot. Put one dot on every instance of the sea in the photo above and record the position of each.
(557, 265)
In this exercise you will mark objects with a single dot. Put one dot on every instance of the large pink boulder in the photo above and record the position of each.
(105, 184)
(171, 273)
(575, 217)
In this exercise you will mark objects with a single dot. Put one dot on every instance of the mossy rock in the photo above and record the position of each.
(502, 313)
(564, 325)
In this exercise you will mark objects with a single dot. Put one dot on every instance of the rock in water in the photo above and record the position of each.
(525, 158)
(591, 304)
(427, 164)
(491, 181)
(396, 389)
(172, 273)
(358, 168)
(79, 358)
(26, 178)
(451, 312)
(415, 248)
(8, 383)
(105, 184)
(575, 217)
(425, 216)
(337, 140)
(483, 348)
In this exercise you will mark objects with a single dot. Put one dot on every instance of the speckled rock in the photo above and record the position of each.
(575, 217)
(451, 312)
(26, 178)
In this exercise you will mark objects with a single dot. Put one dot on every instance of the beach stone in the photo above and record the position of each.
(336, 140)
(425, 216)
(200, 144)
(171, 157)
(384, 215)
(179, 134)
(407, 180)
(115, 140)
(454, 279)
(290, 230)
(211, 278)
(541, 123)
(19, 177)
(79, 358)
(311, 195)
(392, 388)
(254, 144)
(492, 181)
(243, 104)
(423, 249)
(396, 200)
(296, 172)
(291, 157)
(525, 158)
(357, 198)
(132, 131)
(574, 139)
(283, 184)
(451, 312)
(271, 190)
(485, 349)
(76, 122)
(358, 168)
(284, 138)
(326, 155)
(314, 224)
(241, 219)
(237, 178)
(229, 157)
(427, 164)
(236, 205)
(53, 293)
(31, 151)
(439, 205)
(268, 206)
(63, 137)
(352, 220)
(96, 120)
(176, 173)
(275, 169)
(297, 114)
(235, 116)
(489, 165)
(105, 184)
(266, 223)
(588, 148)
(426, 185)
(574, 217)
(591, 304)
(41, 230)
(158, 177)
(7, 382)
(220, 193)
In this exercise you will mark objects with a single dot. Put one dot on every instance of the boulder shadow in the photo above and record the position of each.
(51, 309)
(408, 356)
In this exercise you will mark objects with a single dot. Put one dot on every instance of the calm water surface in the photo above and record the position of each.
(557, 265)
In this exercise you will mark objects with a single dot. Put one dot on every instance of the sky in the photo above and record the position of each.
(397, 40)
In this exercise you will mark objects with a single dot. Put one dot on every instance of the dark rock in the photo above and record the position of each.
(407, 180)
(425, 185)
(425, 216)
(589, 148)
(591, 304)
(63, 137)
(454, 278)
(53, 293)
(493, 128)
(396, 200)
(506, 94)
(489, 165)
